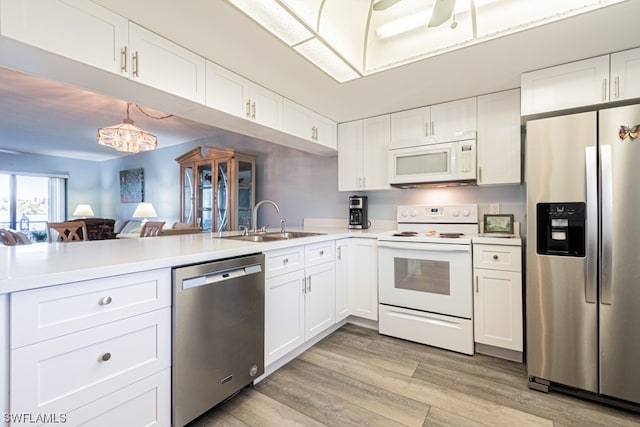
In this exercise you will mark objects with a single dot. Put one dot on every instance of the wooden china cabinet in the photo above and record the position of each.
(217, 188)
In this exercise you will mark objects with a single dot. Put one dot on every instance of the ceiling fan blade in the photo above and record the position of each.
(441, 12)
(383, 4)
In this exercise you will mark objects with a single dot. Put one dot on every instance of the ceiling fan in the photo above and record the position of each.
(442, 10)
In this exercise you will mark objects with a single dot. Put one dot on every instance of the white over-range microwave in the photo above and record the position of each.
(451, 163)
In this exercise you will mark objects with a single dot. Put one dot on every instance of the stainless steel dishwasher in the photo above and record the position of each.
(218, 333)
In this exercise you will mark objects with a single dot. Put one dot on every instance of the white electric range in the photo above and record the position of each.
(425, 276)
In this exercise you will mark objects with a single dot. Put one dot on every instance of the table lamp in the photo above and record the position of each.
(83, 211)
(145, 211)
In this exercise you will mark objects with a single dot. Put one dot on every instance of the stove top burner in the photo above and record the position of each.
(451, 235)
(433, 234)
(405, 234)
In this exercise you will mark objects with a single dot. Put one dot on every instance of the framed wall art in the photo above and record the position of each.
(132, 185)
(498, 223)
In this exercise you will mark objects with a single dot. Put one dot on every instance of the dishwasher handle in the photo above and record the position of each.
(221, 276)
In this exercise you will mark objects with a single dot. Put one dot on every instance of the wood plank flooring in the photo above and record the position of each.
(356, 377)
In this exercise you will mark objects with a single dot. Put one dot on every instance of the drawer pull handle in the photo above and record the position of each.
(105, 357)
(321, 252)
(105, 300)
(495, 257)
(285, 261)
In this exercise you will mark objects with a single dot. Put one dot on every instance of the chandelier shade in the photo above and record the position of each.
(127, 137)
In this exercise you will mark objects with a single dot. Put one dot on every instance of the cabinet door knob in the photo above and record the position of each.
(105, 300)
(285, 261)
(105, 357)
(321, 252)
(495, 257)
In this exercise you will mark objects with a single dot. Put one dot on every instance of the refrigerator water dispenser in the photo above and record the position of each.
(561, 229)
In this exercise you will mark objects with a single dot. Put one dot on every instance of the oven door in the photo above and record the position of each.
(430, 277)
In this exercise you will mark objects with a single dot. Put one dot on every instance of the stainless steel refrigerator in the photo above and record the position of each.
(583, 252)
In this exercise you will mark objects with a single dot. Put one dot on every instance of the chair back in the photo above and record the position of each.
(151, 228)
(7, 238)
(181, 226)
(68, 231)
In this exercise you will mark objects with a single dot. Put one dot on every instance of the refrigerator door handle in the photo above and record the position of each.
(607, 224)
(590, 291)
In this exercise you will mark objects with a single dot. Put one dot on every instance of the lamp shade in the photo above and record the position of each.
(145, 210)
(83, 210)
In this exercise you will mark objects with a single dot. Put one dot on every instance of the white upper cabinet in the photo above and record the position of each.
(625, 75)
(160, 63)
(87, 33)
(75, 29)
(362, 154)
(304, 123)
(449, 121)
(499, 151)
(408, 125)
(566, 86)
(454, 121)
(233, 94)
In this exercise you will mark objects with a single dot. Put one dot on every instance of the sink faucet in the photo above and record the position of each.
(254, 212)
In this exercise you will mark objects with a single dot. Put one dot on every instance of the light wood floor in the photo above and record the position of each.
(356, 377)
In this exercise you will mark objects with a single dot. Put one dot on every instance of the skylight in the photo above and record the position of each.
(349, 39)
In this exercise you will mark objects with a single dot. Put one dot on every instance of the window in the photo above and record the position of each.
(28, 201)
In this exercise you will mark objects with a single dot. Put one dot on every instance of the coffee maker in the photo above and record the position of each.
(358, 218)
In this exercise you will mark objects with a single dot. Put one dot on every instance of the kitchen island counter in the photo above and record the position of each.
(40, 265)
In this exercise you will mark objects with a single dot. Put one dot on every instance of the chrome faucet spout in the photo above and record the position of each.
(254, 212)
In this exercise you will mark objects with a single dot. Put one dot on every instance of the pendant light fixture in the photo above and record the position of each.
(126, 137)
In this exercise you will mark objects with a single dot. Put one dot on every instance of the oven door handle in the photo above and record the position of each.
(445, 247)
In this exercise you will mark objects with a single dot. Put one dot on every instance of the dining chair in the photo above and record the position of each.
(181, 225)
(68, 231)
(7, 238)
(151, 228)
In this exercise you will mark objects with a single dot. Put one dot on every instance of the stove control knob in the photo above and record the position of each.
(404, 214)
(455, 212)
(466, 212)
(413, 213)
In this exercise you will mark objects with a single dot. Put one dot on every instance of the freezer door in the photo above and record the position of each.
(562, 340)
(620, 270)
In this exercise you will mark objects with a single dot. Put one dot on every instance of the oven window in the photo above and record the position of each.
(436, 162)
(422, 275)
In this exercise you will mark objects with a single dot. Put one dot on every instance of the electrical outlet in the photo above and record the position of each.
(495, 208)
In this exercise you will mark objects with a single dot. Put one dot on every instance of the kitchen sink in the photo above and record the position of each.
(273, 236)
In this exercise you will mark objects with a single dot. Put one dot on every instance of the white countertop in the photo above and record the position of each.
(39, 265)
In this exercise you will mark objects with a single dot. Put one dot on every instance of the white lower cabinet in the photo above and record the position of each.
(113, 366)
(283, 315)
(299, 296)
(144, 403)
(498, 314)
(363, 278)
(342, 279)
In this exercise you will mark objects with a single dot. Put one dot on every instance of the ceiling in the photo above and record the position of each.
(43, 117)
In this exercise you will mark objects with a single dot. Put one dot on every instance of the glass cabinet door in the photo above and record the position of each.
(245, 193)
(187, 195)
(222, 196)
(204, 197)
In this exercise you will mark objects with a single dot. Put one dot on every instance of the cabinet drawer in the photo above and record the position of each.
(144, 403)
(497, 257)
(46, 313)
(68, 372)
(284, 261)
(319, 253)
